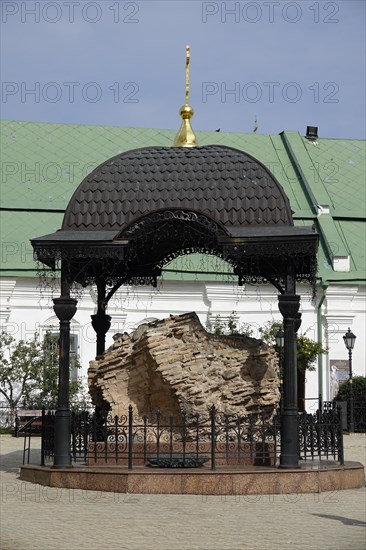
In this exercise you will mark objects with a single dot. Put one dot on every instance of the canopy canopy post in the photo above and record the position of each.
(101, 322)
(65, 308)
(289, 304)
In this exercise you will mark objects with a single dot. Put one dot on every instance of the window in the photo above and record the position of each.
(53, 346)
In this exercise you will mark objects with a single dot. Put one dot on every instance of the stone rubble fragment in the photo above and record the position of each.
(174, 365)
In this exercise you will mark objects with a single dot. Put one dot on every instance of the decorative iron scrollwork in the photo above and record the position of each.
(158, 238)
(148, 222)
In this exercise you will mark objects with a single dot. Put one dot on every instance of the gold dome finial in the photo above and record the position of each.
(186, 137)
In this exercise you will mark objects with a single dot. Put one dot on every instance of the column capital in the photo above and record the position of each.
(64, 307)
(101, 322)
(289, 304)
(298, 322)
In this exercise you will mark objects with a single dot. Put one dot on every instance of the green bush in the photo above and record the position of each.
(229, 326)
(359, 389)
(307, 350)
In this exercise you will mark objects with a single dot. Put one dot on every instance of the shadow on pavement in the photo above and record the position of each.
(345, 521)
(11, 462)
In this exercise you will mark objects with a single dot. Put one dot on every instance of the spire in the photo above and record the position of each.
(186, 137)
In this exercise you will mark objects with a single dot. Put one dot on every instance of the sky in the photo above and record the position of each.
(120, 63)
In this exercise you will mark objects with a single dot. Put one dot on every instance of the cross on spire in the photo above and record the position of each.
(185, 136)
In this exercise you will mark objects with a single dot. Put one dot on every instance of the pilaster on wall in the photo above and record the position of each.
(6, 291)
(118, 322)
(343, 304)
(337, 325)
(345, 298)
(344, 308)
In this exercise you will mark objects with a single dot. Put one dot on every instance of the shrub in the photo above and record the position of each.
(307, 349)
(359, 389)
(230, 326)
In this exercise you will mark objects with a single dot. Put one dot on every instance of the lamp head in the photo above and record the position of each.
(280, 339)
(349, 339)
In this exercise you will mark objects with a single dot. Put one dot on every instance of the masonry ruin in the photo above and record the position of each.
(174, 365)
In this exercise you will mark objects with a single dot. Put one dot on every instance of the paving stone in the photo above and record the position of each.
(34, 517)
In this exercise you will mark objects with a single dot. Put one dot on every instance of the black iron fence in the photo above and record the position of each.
(48, 436)
(321, 434)
(359, 414)
(216, 439)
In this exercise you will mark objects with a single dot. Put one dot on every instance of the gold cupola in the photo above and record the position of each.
(186, 136)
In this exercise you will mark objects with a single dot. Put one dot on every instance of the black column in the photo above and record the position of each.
(289, 305)
(101, 323)
(65, 309)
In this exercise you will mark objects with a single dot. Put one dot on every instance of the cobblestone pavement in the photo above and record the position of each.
(39, 518)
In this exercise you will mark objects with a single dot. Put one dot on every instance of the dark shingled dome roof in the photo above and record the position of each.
(227, 185)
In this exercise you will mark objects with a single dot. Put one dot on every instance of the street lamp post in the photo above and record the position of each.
(349, 340)
(280, 343)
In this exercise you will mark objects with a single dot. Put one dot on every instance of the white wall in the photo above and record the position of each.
(24, 310)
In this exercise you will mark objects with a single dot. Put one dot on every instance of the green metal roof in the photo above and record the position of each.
(43, 163)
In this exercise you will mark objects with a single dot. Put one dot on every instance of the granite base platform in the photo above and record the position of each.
(310, 478)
